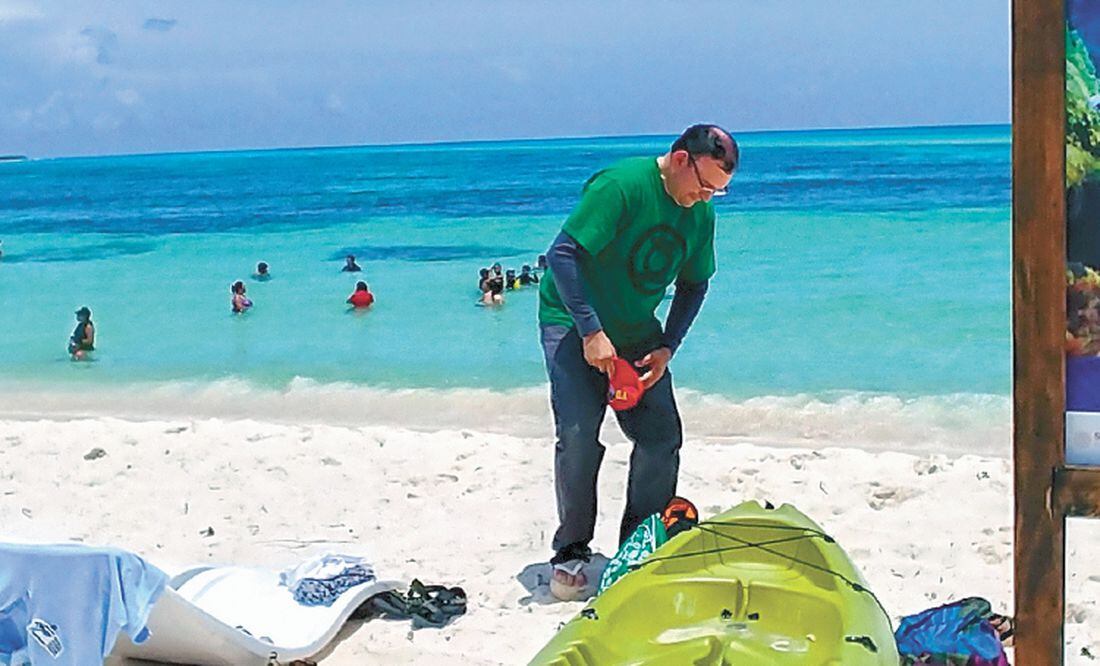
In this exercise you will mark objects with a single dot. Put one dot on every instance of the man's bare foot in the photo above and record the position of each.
(567, 581)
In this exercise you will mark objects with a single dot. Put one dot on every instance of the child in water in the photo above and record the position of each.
(361, 298)
(527, 277)
(239, 302)
(491, 285)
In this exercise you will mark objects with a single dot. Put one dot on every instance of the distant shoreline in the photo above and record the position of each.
(483, 142)
(962, 423)
(13, 158)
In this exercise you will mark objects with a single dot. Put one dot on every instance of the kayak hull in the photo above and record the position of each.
(753, 585)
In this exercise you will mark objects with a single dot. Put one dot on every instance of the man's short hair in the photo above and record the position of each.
(710, 141)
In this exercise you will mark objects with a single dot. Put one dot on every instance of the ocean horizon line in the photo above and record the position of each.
(487, 142)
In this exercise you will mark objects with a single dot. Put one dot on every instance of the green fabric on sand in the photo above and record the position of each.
(648, 537)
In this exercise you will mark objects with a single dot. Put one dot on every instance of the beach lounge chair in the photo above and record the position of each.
(74, 600)
(237, 616)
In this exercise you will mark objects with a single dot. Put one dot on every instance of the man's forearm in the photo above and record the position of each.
(685, 307)
(563, 259)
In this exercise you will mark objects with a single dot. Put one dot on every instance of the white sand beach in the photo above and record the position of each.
(475, 509)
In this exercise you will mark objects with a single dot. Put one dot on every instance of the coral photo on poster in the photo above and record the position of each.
(1082, 233)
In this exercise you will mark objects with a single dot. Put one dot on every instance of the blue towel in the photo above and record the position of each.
(321, 580)
(13, 633)
(72, 601)
(325, 591)
(957, 632)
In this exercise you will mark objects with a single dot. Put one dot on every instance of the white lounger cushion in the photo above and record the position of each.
(196, 621)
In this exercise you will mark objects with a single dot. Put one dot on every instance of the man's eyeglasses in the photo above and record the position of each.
(705, 186)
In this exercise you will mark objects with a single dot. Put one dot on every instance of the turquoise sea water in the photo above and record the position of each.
(869, 262)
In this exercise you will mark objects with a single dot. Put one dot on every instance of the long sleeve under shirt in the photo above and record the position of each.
(563, 261)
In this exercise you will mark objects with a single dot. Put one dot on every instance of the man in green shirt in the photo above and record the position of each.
(641, 225)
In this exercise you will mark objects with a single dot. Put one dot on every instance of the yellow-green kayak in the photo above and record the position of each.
(751, 586)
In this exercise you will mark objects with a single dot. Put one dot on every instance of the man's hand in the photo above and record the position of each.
(599, 352)
(656, 360)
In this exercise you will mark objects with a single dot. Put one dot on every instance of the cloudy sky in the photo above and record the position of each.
(122, 77)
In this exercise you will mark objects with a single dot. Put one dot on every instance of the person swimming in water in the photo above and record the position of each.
(261, 273)
(541, 264)
(496, 287)
(491, 286)
(484, 288)
(349, 265)
(239, 302)
(510, 279)
(82, 340)
(361, 297)
(526, 277)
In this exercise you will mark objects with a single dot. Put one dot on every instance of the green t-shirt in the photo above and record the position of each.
(639, 241)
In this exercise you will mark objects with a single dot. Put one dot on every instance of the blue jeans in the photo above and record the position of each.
(578, 396)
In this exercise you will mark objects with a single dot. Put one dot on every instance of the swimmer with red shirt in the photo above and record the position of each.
(361, 298)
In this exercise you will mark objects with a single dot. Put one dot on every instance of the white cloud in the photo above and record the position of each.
(512, 72)
(50, 103)
(128, 97)
(102, 109)
(18, 11)
(105, 41)
(105, 122)
(54, 113)
(334, 103)
(22, 116)
(68, 46)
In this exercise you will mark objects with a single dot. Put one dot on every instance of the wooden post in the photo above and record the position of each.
(1039, 323)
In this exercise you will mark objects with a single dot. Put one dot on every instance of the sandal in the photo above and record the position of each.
(1005, 627)
(569, 561)
(389, 605)
(564, 591)
(426, 605)
(434, 605)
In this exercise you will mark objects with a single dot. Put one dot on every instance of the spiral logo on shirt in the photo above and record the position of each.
(655, 258)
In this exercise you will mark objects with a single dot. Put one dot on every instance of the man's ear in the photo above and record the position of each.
(679, 158)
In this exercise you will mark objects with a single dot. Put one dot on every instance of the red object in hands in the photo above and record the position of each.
(624, 388)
